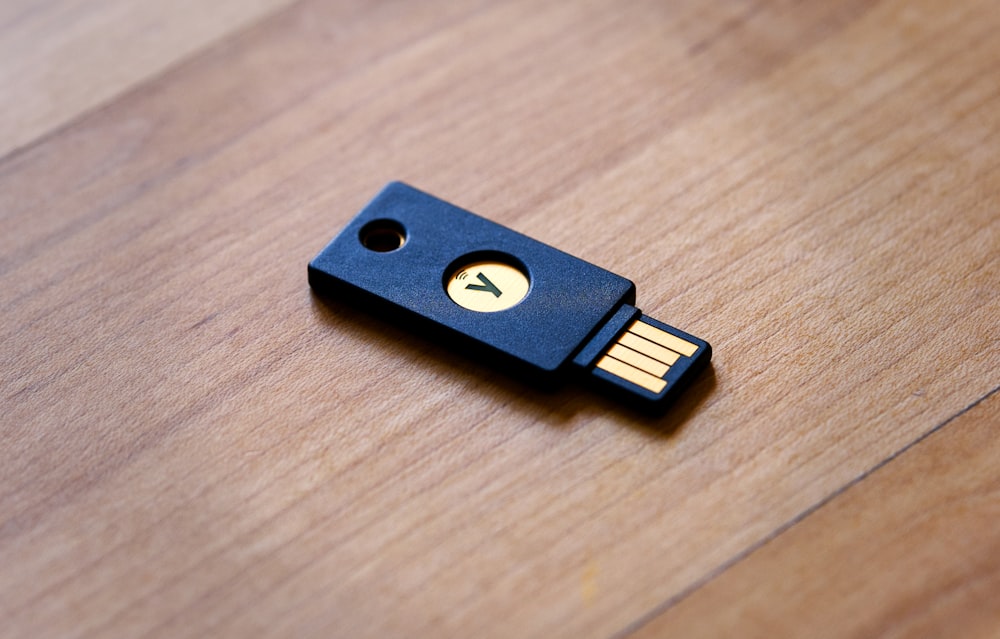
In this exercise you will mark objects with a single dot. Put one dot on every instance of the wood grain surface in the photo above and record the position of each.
(193, 444)
(60, 58)
(936, 550)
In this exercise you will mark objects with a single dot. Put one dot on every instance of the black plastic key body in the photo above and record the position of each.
(425, 264)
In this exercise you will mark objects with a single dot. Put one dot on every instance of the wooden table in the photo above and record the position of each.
(193, 444)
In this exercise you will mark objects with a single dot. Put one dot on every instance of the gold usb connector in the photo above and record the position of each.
(643, 357)
(644, 354)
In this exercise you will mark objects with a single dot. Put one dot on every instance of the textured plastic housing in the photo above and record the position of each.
(567, 302)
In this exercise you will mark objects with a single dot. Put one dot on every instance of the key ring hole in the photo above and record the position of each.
(383, 236)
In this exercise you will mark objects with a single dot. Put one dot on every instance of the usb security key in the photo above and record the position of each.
(430, 265)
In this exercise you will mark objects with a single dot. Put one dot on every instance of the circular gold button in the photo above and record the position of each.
(487, 286)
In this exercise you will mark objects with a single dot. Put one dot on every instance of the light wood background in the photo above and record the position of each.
(193, 445)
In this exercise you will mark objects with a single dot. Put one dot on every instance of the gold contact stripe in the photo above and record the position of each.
(663, 338)
(631, 374)
(638, 360)
(648, 348)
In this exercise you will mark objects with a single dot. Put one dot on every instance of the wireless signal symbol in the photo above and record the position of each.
(463, 275)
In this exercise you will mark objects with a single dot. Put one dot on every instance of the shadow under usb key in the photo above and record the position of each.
(557, 404)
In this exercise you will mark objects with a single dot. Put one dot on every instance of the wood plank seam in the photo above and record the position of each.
(110, 100)
(722, 568)
(194, 56)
